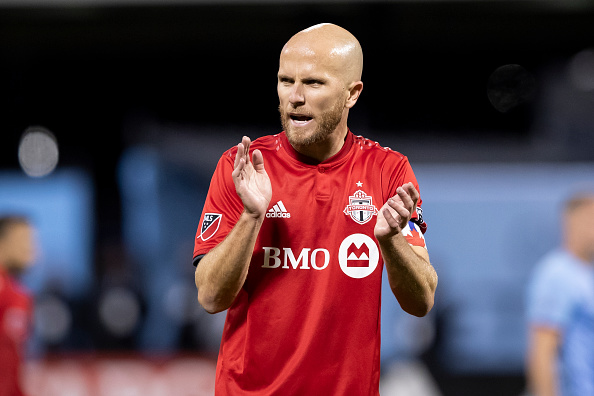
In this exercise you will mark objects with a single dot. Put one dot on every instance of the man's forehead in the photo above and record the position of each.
(307, 65)
(299, 51)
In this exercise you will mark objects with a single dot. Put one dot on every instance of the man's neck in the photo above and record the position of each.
(584, 254)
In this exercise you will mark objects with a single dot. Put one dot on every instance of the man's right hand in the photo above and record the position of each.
(251, 180)
(223, 270)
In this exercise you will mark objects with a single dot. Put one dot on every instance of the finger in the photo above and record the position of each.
(240, 164)
(240, 154)
(402, 211)
(391, 220)
(246, 144)
(405, 198)
(258, 160)
(412, 191)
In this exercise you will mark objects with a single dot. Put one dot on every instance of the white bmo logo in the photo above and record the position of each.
(358, 256)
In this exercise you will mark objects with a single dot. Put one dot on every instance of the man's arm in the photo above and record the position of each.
(221, 273)
(412, 278)
(541, 361)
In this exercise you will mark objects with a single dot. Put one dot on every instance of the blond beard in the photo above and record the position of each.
(328, 122)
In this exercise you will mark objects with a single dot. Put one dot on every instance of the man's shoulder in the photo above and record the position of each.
(263, 143)
(556, 268)
(373, 147)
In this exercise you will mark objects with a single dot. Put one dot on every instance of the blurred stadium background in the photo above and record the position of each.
(492, 101)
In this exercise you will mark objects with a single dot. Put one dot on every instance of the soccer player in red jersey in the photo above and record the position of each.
(16, 254)
(296, 229)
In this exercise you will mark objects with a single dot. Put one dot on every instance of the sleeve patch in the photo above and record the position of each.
(210, 225)
(413, 234)
(417, 218)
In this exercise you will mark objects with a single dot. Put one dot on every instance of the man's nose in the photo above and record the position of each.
(296, 97)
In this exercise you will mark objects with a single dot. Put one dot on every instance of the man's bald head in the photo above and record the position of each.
(332, 44)
(319, 81)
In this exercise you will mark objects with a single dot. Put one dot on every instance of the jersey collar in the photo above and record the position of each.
(348, 143)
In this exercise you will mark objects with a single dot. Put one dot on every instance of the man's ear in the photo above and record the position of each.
(354, 91)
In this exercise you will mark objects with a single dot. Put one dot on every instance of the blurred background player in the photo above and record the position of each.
(560, 355)
(16, 255)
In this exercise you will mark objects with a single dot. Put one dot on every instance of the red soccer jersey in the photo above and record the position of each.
(307, 320)
(15, 312)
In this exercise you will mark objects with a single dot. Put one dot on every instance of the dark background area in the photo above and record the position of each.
(83, 71)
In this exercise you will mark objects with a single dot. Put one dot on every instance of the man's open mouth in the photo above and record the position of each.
(300, 119)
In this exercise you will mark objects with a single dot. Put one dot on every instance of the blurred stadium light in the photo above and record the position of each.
(38, 152)
(52, 319)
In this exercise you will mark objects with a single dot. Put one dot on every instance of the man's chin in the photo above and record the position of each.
(305, 136)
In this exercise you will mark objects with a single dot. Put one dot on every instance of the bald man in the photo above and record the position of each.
(296, 229)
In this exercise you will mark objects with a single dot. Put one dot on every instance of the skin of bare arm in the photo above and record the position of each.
(221, 273)
(412, 278)
(541, 361)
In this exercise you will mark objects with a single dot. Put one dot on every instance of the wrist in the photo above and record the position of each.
(392, 238)
(253, 216)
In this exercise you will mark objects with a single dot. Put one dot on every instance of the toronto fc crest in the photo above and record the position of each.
(360, 208)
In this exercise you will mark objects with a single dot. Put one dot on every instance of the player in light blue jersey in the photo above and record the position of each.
(560, 310)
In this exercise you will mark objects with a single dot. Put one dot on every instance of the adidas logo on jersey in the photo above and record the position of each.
(278, 210)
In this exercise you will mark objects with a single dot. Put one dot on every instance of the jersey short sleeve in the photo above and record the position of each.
(416, 227)
(222, 208)
(550, 297)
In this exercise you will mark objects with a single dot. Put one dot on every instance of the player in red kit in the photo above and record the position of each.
(296, 229)
(16, 254)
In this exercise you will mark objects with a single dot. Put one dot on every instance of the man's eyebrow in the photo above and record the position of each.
(306, 80)
(311, 80)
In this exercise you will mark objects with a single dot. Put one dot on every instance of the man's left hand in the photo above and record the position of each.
(396, 212)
